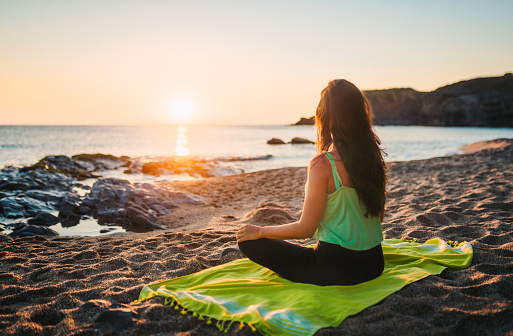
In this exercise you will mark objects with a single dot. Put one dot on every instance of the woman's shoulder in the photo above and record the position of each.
(318, 164)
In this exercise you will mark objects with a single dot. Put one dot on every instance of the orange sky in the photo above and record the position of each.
(238, 62)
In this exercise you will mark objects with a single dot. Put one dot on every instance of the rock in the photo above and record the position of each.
(54, 196)
(32, 230)
(70, 205)
(275, 141)
(98, 162)
(243, 158)
(135, 206)
(106, 230)
(134, 168)
(17, 207)
(71, 220)
(301, 141)
(118, 318)
(96, 304)
(11, 209)
(61, 164)
(140, 219)
(195, 167)
(45, 219)
(305, 121)
(33, 206)
(10, 186)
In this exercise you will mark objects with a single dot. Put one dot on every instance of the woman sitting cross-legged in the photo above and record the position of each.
(344, 201)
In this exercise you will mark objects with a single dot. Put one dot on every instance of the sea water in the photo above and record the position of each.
(25, 145)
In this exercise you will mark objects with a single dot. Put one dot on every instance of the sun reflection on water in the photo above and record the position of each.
(181, 141)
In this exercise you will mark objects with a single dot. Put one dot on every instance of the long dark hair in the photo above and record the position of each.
(344, 119)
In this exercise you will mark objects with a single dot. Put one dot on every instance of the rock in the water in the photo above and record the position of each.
(17, 207)
(54, 196)
(301, 141)
(98, 162)
(275, 141)
(11, 208)
(45, 219)
(61, 164)
(71, 220)
(118, 318)
(70, 205)
(32, 230)
(135, 206)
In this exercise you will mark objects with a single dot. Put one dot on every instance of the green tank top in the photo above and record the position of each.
(343, 221)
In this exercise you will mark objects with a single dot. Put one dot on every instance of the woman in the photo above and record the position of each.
(344, 201)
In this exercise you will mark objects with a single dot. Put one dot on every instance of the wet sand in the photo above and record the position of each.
(47, 283)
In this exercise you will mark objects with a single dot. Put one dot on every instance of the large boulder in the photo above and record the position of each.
(32, 230)
(45, 219)
(134, 206)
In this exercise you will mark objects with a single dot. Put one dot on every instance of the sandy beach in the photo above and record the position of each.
(60, 286)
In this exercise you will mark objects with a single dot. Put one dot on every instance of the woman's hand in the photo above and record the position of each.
(249, 232)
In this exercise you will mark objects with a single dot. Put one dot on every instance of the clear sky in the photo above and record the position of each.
(232, 62)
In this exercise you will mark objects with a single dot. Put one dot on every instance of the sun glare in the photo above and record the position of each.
(182, 108)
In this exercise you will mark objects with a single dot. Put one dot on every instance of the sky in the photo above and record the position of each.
(238, 62)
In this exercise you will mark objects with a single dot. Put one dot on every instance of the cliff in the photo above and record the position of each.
(484, 102)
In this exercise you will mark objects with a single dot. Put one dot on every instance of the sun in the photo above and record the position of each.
(182, 108)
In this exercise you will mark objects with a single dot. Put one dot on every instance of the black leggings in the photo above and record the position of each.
(326, 264)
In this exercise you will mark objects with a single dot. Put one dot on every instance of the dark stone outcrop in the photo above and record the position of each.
(79, 166)
(478, 102)
(134, 206)
(70, 205)
(32, 230)
(99, 162)
(301, 141)
(32, 194)
(195, 167)
(275, 141)
(45, 219)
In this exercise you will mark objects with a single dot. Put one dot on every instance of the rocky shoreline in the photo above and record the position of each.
(36, 197)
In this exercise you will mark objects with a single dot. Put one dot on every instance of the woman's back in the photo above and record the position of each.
(345, 220)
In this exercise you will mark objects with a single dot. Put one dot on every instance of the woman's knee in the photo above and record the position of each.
(248, 247)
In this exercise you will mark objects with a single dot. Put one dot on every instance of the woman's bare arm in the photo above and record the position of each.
(313, 208)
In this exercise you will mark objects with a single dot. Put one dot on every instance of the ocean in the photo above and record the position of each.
(25, 145)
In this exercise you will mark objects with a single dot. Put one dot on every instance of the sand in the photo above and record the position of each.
(46, 281)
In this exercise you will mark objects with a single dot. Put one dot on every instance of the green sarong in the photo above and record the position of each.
(242, 291)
